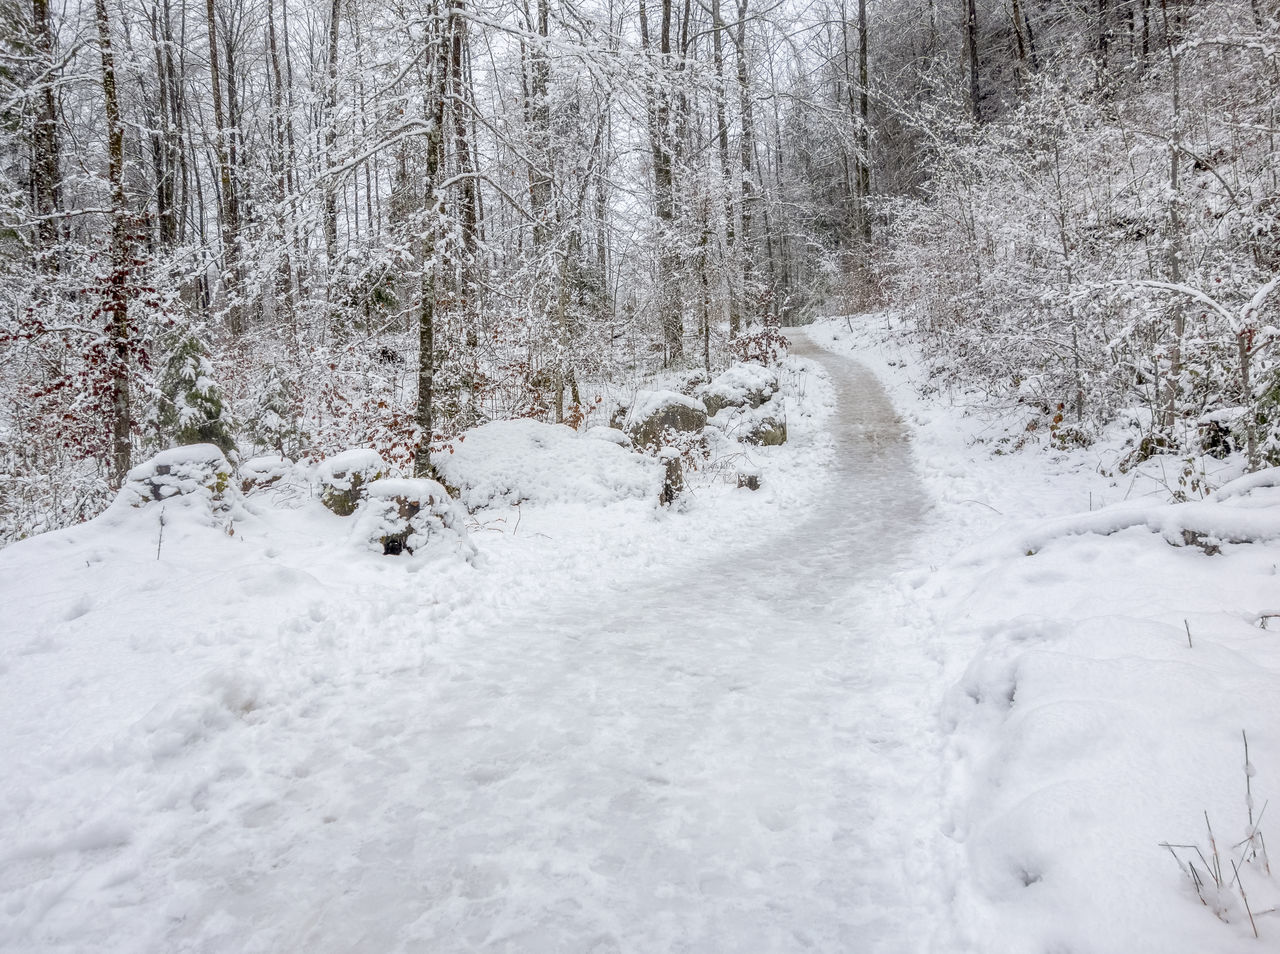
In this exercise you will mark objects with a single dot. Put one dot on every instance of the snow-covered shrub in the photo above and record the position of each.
(272, 417)
(197, 475)
(527, 460)
(765, 347)
(191, 409)
(405, 515)
(344, 476)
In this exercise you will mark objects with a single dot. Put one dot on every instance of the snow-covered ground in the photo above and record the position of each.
(844, 713)
(1082, 731)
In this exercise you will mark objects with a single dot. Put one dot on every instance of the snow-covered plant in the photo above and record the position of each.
(272, 417)
(767, 346)
(1218, 873)
(191, 409)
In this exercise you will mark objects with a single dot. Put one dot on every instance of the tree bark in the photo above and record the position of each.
(863, 170)
(116, 306)
(331, 139)
(46, 172)
(230, 208)
(746, 155)
(424, 412)
(971, 45)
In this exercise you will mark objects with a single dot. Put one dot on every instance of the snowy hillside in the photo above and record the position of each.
(911, 695)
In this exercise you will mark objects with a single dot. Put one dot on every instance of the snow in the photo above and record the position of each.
(528, 461)
(611, 434)
(1100, 685)
(439, 519)
(847, 712)
(649, 403)
(737, 384)
(337, 471)
(266, 469)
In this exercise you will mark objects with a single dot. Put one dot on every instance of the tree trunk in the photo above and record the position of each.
(284, 164)
(863, 169)
(660, 151)
(424, 413)
(1172, 383)
(726, 169)
(971, 45)
(468, 214)
(331, 140)
(230, 209)
(747, 149)
(46, 171)
(116, 306)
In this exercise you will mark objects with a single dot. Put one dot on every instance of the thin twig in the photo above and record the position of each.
(1245, 897)
(1213, 845)
(1248, 784)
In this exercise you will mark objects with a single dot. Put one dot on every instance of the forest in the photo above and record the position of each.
(299, 226)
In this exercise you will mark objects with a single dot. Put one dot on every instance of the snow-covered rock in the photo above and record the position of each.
(743, 384)
(764, 425)
(657, 416)
(343, 477)
(259, 472)
(524, 460)
(200, 471)
(405, 515)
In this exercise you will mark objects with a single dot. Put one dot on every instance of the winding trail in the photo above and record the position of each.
(741, 759)
(737, 756)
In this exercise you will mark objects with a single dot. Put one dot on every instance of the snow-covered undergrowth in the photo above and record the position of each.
(1105, 666)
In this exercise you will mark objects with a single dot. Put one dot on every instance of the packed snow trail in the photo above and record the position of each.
(723, 756)
(733, 758)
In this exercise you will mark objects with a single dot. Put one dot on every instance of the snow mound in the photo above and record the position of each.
(610, 434)
(1246, 510)
(405, 515)
(529, 461)
(340, 469)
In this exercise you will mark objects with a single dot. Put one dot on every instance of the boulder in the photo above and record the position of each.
(404, 515)
(743, 385)
(749, 478)
(192, 470)
(260, 472)
(343, 479)
(766, 432)
(657, 417)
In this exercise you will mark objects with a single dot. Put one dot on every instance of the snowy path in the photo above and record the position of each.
(737, 755)
(730, 758)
